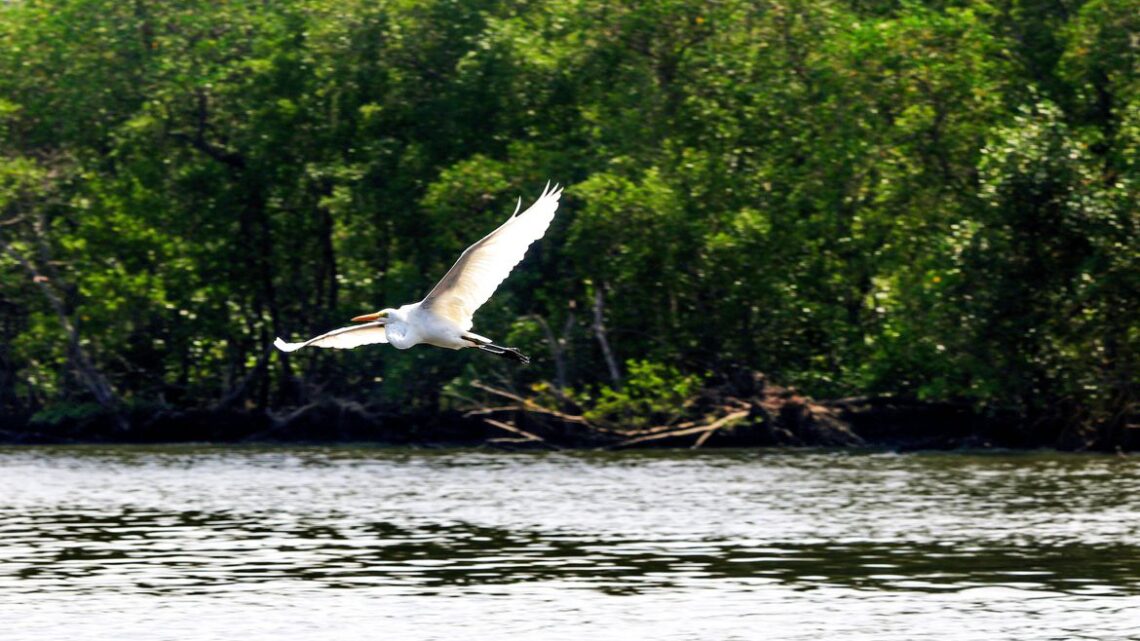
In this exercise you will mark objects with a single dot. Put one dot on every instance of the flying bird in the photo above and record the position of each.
(444, 317)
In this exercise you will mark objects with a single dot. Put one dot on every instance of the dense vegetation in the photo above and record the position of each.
(934, 199)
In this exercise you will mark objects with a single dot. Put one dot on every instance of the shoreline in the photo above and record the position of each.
(775, 418)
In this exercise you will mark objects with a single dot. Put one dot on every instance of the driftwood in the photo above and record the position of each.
(705, 431)
(752, 413)
(556, 424)
(526, 436)
(525, 405)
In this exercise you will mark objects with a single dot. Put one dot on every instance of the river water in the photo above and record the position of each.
(319, 543)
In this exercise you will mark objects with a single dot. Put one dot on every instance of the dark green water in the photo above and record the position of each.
(347, 543)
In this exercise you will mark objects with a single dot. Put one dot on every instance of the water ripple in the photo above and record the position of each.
(868, 538)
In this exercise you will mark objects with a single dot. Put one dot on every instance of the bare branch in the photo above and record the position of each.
(703, 430)
(523, 433)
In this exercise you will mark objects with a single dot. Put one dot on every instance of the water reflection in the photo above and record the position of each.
(159, 551)
(190, 523)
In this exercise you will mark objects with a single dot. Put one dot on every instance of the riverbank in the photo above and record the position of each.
(753, 414)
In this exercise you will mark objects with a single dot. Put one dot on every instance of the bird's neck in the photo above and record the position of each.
(400, 333)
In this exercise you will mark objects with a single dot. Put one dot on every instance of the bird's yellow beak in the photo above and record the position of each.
(370, 317)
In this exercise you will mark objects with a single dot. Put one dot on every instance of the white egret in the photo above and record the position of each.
(443, 318)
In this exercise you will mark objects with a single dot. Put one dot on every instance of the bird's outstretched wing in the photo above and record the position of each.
(484, 265)
(343, 338)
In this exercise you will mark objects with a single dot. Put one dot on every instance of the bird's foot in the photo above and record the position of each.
(514, 354)
(509, 352)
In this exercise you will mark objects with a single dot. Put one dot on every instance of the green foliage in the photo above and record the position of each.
(68, 413)
(926, 198)
(651, 394)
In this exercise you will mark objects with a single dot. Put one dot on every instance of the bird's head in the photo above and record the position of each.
(382, 314)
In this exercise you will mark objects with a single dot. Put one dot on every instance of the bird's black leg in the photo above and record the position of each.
(513, 354)
(508, 352)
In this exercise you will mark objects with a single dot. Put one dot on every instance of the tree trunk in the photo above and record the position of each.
(78, 359)
(600, 333)
(557, 349)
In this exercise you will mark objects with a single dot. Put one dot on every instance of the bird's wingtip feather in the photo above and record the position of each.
(283, 346)
(548, 193)
(551, 191)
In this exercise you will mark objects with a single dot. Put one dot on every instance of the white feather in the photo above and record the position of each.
(343, 338)
(484, 265)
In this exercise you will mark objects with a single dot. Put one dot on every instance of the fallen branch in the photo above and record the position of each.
(523, 433)
(527, 405)
(498, 392)
(703, 430)
(483, 411)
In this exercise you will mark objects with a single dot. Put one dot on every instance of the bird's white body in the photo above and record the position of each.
(444, 317)
(413, 324)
